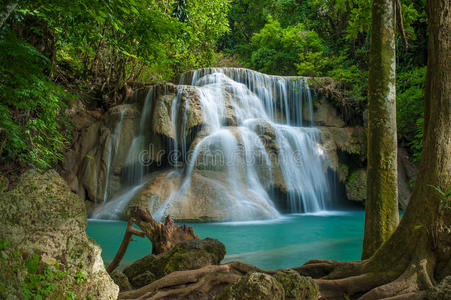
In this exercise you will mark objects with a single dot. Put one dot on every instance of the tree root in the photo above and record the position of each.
(163, 236)
(202, 283)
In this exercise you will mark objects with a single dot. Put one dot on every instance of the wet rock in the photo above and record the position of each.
(356, 186)
(297, 287)
(43, 234)
(351, 141)
(103, 150)
(253, 286)
(187, 255)
(324, 114)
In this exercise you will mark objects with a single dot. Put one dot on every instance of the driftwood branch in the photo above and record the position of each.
(163, 236)
(128, 236)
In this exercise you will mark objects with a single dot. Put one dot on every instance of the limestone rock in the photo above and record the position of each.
(44, 222)
(356, 186)
(297, 287)
(187, 255)
(253, 286)
(324, 114)
(101, 151)
(349, 140)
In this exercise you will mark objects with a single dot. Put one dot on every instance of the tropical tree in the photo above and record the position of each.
(381, 205)
(418, 253)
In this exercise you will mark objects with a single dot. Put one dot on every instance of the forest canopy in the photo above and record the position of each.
(53, 51)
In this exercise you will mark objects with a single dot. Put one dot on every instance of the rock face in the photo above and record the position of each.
(187, 255)
(254, 286)
(47, 252)
(225, 122)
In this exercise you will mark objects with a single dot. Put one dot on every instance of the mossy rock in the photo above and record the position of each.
(356, 186)
(253, 286)
(121, 280)
(297, 287)
(187, 255)
(44, 242)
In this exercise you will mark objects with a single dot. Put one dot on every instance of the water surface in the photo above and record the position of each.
(288, 241)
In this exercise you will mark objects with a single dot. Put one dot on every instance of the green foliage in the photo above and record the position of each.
(410, 108)
(30, 104)
(278, 50)
(445, 196)
(340, 34)
(40, 279)
(93, 47)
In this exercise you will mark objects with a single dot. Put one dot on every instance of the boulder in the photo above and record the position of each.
(121, 280)
(297, 287)
(44, 244)
(356, 186)
(253, 286)
(187, 255)
(207, 199)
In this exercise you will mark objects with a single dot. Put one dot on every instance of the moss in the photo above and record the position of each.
(187, 255)
(253, 286)
(296, 286)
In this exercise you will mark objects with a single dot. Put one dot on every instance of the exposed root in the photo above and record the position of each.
(186, 284)
(165, 235)
(414, 279)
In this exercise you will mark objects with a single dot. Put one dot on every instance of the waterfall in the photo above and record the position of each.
(253, 145)
(278, 101)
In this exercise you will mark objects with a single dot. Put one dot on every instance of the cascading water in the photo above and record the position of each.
(253, 145)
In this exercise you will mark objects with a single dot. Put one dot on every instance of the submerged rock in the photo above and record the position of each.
(253, 286)
(187, 255)
(44, 244)
(297, 287)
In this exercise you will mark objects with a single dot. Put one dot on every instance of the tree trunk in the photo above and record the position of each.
(418, 253)
(381, 207)
(163, 236)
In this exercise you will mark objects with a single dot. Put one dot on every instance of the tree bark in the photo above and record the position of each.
(381, 207)
(163, 236)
